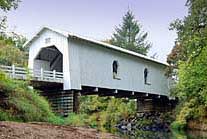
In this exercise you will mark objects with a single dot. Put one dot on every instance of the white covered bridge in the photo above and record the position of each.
(80, 65)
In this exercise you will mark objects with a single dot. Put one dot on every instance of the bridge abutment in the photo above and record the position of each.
(156, 104)
(61, 102)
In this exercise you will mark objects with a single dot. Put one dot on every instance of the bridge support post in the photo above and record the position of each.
(144, 105)
(13, 71)
(140, 105)
(76, 101)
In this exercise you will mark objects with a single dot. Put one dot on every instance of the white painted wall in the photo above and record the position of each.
(75, 74)
(91, 65)
(88, 64)
(60, 42)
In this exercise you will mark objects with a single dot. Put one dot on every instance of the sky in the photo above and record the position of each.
(97, 19)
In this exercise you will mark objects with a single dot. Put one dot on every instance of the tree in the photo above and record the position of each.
(11, 55)
(11, 50)
(189, 57)
(129, 35)
(191, 32)
(6, 5)
(19, 41)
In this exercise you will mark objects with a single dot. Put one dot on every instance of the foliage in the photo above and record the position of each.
(90, 104)
(129, 35)
(189, 56)
(9, 39)
(11, 44)
(23, 103)
(102, 112)
(7, 5)
(11, 55)
(19, 41)
(76, 119)
(119, 109)
(6, 116)
(191, 33)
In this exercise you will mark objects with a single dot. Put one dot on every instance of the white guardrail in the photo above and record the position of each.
(33, 74)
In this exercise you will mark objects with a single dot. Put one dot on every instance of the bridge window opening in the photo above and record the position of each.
(115, 67)
(146, 72)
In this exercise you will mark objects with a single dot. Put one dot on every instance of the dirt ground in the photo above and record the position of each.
(14, 130)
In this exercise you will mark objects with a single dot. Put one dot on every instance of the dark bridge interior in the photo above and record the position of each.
(53, 56)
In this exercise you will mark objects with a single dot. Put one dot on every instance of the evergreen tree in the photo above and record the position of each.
(129, 35)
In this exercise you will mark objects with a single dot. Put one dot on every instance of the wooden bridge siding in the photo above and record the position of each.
(95, 69)
(83, 62)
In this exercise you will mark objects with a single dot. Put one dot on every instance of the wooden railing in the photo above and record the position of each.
(33, 74)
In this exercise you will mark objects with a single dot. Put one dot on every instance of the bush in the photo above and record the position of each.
(23, 104)
(11, 55)
(76, 119)
(178, 125)
(56, 120)
(5, 116)
(101, 112)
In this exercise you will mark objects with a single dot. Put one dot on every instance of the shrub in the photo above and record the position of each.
(76, 119)
(178, 125)
(56, 120)
(23, 104)
(5, 116)
(11, 55)
(101, 112)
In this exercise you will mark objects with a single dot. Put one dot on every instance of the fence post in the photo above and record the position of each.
(13, 71)
(54, 74)
(41, 74)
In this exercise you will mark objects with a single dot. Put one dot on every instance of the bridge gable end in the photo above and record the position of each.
(48, 40)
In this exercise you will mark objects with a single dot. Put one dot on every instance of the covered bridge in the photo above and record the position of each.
(95, 67)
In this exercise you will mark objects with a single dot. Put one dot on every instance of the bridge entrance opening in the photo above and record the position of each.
(49, 58)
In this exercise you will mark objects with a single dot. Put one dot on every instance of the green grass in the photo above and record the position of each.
(76, 119)
(24, 104)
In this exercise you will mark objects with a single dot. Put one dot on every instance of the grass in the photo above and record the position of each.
(24, 104)
(76, 119)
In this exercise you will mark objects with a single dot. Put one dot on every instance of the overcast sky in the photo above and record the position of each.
(98, 18)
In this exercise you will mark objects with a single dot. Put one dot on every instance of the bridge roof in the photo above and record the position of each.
(72, 35)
